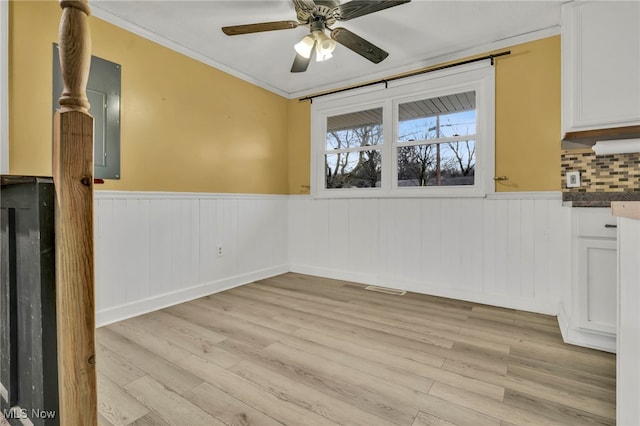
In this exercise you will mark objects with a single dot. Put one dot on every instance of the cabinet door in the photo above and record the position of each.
(597, 285)
(601, 64)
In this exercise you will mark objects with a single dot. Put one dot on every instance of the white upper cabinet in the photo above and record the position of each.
(600, 64)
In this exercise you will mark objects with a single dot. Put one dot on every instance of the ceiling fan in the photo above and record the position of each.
(320, 15)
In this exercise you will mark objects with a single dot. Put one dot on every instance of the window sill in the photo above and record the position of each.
(381, 194)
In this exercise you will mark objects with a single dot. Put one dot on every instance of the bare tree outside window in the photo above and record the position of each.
(352, 159)
(436, 141)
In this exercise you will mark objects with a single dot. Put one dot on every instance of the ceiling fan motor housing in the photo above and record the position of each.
(323, 10)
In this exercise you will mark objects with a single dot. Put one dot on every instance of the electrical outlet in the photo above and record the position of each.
(573, 179)
(220, 250)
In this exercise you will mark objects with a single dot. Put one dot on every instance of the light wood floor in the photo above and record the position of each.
(301, 350)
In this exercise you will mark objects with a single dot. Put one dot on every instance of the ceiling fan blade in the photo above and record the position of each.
(306, 5)
(300, 63)
(359, 45)
(258, 28)
(357, 8)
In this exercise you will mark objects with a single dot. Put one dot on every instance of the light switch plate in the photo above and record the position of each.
(573, 179)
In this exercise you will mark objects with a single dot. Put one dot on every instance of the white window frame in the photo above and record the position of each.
(478, 77)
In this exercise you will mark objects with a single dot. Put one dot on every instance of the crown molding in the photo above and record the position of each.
(435, 60)
(136, 29)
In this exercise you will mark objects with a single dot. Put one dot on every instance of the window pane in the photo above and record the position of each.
(439, 117)
(359, 169)
(443, 164)
(361, 128)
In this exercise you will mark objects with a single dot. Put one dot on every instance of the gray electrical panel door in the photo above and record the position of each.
(103, 91)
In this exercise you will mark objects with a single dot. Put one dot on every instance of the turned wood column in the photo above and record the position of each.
(73, 181)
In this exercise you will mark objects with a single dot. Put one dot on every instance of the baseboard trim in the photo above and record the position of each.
(139, 307)
(509, 302)
(585, 338)
(563, 322)
(335, 274)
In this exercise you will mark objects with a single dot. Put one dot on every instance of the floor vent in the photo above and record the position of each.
(386, 290)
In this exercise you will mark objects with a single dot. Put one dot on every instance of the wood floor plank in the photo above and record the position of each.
(169, 374)
(371, 299)
(489, 407)
(386, 371)
(227, 408)
(555, 409)
(424, 419)
(548, 365)
(244, 390)
(301, 350)
(376, 342)
(168, 405)
(399, 345)
(150, 341)
(116, 405)
(455, 414)
(114, 366)
(539, 390)
(187, 335)
(199, 312)
(348, 377)
(358, 292)
(603, 393)
(568, 399)
(333, 409)
(451, 335)
(346, 321)
(597, 363)
(418, 368)
(380, 404)
(150, 419)
(252, 312)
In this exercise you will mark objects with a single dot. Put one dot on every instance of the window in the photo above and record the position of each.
(436, 141)
(431, 135)
(353, 156)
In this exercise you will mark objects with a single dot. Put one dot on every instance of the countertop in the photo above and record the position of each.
(628, 209)
(598, 199)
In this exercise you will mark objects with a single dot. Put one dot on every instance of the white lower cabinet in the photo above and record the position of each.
(597, 285)
(589, 311)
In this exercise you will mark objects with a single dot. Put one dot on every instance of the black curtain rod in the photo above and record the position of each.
(387, 80)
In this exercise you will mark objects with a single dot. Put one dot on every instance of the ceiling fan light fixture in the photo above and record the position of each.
(304, 46)
(323, 56)
(324, 46)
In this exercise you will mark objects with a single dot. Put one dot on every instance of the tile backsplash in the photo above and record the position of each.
(605, 173)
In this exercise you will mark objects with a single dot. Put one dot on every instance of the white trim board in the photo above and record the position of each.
(509, 302)
(153, 195)
(161, 301)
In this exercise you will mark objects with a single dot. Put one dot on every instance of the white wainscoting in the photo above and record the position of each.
(510, 249)
(154, 250)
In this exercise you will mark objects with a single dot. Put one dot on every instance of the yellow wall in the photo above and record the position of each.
(189, 127)
(528, 117)
(185, 126)
(299, 130)
(527, 121)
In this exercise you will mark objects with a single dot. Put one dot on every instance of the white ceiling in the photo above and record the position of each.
(416, 34)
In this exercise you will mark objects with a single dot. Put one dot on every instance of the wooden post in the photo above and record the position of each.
(73, 181)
